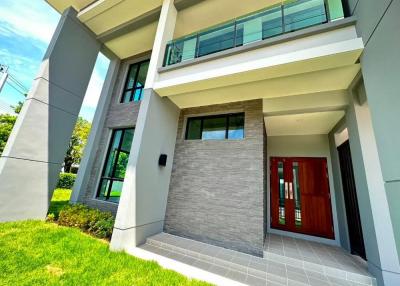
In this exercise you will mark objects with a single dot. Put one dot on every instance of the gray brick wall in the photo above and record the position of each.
(118, 116)
(217, 187)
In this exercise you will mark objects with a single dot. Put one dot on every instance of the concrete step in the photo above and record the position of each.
(246, 268)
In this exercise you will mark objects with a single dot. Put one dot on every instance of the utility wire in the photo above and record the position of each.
(22, 93)
(16, 81)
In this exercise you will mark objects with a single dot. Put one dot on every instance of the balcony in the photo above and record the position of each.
(265, 24)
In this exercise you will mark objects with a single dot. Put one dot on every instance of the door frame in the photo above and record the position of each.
(324, 154)
(291, 227)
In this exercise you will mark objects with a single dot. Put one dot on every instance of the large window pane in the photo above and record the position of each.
(116, 190)
(113, 153)
(115, 166)
(214, 128)
(236, 127)
(130, 81)
(135, 82)
(137, 96)
(141, 79)
(227, 126)
(194, 129)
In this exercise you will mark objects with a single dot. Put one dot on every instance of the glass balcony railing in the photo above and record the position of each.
(271, 22)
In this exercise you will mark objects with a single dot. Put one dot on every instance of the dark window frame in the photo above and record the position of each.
(133, 89)
(202, 118)
(114, 167)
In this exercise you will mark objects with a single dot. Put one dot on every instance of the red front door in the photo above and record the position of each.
(300, 198)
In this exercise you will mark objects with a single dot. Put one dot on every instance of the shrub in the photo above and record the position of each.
(66, 181)
(97, 223)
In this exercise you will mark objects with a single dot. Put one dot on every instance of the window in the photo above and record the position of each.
(135, 81)
(114, 169)
(227, 126)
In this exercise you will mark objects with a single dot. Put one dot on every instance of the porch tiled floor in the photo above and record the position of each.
(287, 262)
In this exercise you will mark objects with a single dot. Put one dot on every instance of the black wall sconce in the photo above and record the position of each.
(162, 161)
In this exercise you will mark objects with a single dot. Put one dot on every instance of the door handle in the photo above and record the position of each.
(291, 190)
(286, 190)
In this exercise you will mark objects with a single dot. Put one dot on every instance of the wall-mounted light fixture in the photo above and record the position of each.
(162, 161)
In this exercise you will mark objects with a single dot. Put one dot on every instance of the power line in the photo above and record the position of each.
(7, 82)
(16, 81)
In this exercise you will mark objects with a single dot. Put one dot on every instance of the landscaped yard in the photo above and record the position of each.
(40, 253)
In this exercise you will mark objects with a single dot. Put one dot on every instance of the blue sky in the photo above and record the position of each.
(26, 27)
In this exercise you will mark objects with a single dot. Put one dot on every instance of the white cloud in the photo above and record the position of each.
(26, 18)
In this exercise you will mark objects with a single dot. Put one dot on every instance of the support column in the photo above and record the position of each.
(142, 206)
(32, 159)
(379, 239)
(377, 23)
(99, 118)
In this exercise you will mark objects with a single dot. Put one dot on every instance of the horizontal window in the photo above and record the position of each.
(216, 127)
(114, 169)
(135, 81)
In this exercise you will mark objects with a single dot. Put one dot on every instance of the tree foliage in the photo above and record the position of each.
(6, 125)
(17, 108)
(77, 143)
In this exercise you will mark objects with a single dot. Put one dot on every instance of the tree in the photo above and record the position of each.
(6, 125)
(17, 108)
(78, 141)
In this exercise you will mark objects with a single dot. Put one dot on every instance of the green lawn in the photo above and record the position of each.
(40, 253)
(59, 200)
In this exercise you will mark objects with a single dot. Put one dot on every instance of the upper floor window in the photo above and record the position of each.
(135, 81)
(226, 126)
(114, 168)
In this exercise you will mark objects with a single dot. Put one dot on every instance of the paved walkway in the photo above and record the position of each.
(287, 261)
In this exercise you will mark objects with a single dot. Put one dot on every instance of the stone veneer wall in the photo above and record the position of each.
(119, 115)
(216, 191)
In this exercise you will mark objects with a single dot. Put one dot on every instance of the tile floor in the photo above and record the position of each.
(287, 262)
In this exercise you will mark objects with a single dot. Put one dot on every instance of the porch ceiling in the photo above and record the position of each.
(320, 81)
(312, 123)
(126, 27)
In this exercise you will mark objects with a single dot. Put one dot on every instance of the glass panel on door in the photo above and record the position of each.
(297, 194)
(281, 182)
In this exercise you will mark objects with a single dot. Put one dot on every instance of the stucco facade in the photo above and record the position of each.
(298, 85)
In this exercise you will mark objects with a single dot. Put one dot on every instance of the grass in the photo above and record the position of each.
(60, 199)
(39, 253)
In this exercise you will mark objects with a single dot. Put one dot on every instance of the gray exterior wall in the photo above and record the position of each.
(216, 191)
(378, 24)
(119, 115)
(33, 156)
(337, 181)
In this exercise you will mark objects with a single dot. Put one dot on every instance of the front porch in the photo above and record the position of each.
(286, 261)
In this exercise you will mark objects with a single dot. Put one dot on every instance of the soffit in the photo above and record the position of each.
(61, 5)
(302, 124)
(305, 83)
(107, 15)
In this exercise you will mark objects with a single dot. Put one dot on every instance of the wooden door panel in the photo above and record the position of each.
(316, 208)
(307, 178)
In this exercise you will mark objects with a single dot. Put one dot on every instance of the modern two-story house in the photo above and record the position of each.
(262, 134)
